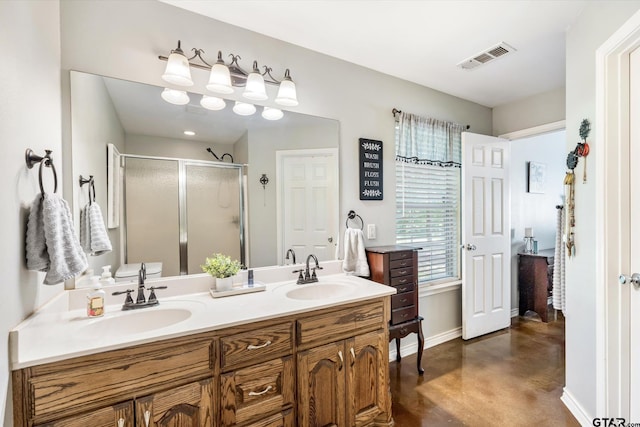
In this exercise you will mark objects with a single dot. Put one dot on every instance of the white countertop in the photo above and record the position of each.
(62, 330)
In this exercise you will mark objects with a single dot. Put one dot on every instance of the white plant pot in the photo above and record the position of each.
(224, 284)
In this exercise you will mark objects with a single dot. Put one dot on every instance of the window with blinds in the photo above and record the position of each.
(428, 216)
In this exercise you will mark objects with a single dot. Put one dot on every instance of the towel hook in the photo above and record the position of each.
(92, 186)
(353, 215)
(31, 158)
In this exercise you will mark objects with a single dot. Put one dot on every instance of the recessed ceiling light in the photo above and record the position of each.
(189, 133)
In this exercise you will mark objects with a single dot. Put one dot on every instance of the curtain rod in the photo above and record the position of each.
(396, 111)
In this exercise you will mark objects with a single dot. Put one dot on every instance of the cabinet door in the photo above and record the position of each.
(120, 415)
(321, 386)
(190, 405)
(367, 385)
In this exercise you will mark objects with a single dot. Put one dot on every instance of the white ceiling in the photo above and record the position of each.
(422, 40)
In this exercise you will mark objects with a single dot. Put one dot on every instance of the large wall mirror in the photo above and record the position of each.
(277, 189)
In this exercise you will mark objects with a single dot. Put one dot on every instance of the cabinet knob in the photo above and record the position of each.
(341, 360)
(147, 416)
(353, 356)
(260, 393)
(257, 347)
(121, 422)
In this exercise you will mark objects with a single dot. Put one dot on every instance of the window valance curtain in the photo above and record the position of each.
(423, 140)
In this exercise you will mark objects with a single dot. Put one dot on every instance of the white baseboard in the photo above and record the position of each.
(514, 312)
(575, 408)
(412, 348)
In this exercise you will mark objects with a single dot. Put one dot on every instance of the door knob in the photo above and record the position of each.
(635, 279)
(470, 247)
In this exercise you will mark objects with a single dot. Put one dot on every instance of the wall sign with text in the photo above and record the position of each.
(370, 169)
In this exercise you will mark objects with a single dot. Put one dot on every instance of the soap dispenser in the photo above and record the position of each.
(106, 278)
(95, 298)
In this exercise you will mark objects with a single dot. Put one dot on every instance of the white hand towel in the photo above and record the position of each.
(50, 225)
(355, 258)
(85, 233)
(100, 243)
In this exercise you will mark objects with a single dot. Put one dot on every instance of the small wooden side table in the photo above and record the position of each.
(534, 284)
(397, 266)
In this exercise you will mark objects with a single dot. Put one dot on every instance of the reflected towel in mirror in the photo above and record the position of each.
(93, 234)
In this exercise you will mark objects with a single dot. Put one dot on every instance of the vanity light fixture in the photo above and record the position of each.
(223, 78)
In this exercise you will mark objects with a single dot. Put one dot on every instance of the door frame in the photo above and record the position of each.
(612, 167)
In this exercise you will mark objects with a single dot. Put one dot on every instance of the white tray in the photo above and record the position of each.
(244, 289)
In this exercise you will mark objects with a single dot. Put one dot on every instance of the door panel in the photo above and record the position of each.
(486, 289)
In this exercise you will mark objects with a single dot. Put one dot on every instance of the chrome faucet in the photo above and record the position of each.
(141, 301)
(293, 255)
(305, 275)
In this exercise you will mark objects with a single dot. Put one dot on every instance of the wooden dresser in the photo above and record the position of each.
(535, 281)
(397, 266)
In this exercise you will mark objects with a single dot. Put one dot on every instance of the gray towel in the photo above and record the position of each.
(51, 242)
(93, 234)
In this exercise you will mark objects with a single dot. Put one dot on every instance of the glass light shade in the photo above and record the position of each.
(272, 113)
(220, 79)
(174, 96)
(287, 93)
(177, 71)
(255, 89)
(244, 109)
(212, 103)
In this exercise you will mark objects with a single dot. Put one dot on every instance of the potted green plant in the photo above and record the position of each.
(222, 268)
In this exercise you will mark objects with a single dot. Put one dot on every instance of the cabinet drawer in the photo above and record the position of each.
(283, 419)
(405, 288)
(402, 281)
(256, 391)
(399, 272)
(403, 314)
(393, 256)
(256, 346)
(338, 324)
(403, 300)
(81, 384)
(401, 263)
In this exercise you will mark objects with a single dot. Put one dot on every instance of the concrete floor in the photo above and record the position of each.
(512, 377)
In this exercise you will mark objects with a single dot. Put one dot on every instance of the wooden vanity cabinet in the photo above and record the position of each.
(344, 382)
(320, 368)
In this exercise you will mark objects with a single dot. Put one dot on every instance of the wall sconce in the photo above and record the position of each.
(223, 79)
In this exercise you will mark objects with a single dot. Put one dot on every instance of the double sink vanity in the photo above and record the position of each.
(293, 355)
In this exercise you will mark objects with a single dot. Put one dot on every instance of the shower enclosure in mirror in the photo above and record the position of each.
(178, 212)
(140, 125)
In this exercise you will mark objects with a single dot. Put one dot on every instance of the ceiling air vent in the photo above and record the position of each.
(487, 56)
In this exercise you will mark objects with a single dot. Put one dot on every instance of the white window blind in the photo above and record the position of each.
(427, 215)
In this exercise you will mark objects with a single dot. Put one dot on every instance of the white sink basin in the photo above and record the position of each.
(135, 322)
(320, 291)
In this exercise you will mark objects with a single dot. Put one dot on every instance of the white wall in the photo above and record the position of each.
(596, 23)
(148, 145)
(536, 110)
(532, 209)
(125, 39)
(29, 118)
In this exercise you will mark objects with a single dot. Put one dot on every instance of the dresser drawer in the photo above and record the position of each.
(257, 391)
(396, 255)
(403, 300)
(330, 326)
(401, 263)
(400, 272)
(256, 346)
(403, 314)
(402, 281)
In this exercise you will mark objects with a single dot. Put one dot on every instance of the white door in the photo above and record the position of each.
(307, 202)
(632, 293)
(486, 235)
